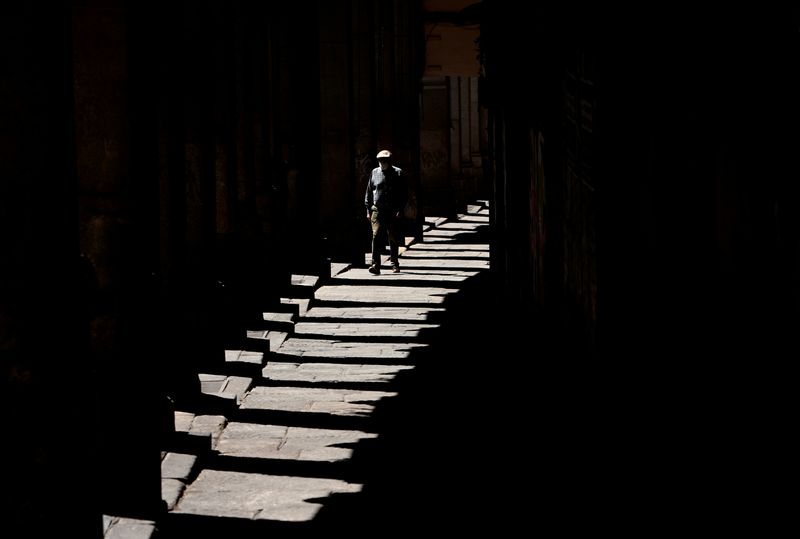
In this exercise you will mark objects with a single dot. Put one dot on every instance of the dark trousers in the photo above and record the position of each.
(385, 222)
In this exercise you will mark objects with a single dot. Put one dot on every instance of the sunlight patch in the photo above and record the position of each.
(332, 372)
(248, 440)
(350, 329)
(258, 496)
(341, 402)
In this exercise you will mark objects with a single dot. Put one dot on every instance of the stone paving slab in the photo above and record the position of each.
(443, 263)
(211, 383)
(236, 387)
(443, 274)
(339, 267)
(452, 246)
(305, 280)
(258, 496)
(183, 421)
(286, 318)
(177, 466)
(171, 491)
(301, 303)
(350, 350)
(332, 372)
(416, 253)
(440, 233)
(435, 221)
(342, 402)
(127, 528)
(383, 294)
(245, 356)
(351, 329)
(440, 238)
(209, 425)
(275, 337)
(473, 218)
(408, 272)
(349, 313)
(281, 442)
(460, 225)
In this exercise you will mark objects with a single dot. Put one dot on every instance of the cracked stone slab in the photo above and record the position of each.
(258, 496)
(344, 402)
(280, 442)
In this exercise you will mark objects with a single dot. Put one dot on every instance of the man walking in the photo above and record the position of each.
(385, 199)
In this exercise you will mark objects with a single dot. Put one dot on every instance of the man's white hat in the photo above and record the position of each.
(384, 154)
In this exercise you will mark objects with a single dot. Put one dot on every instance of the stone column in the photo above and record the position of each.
(295, 112)
(337, 183)
(116, 241)
(46, 376)
(400, 43)
(363, 115)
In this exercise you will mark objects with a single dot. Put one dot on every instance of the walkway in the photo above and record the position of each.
(363, 413)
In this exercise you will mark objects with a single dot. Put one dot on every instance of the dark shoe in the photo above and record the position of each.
(395, 269)
(375, 270)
